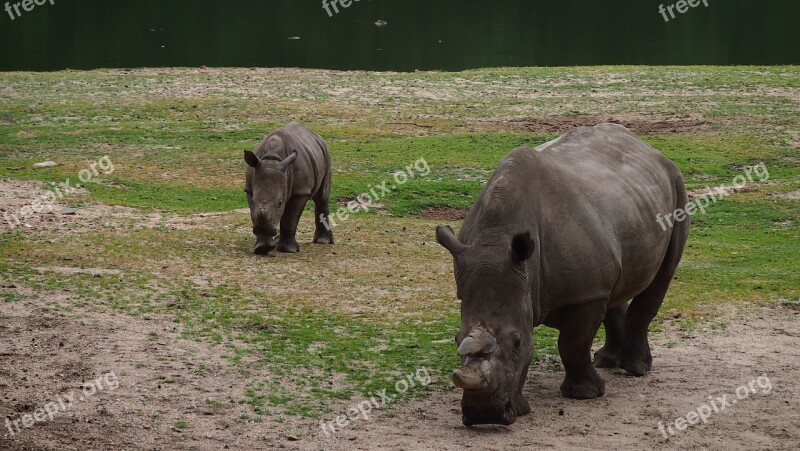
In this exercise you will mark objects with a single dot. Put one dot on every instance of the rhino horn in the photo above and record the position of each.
(446, 237)
(473, 377)
(284, 165)
(479, 341)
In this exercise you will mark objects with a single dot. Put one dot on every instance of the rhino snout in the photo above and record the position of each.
(264, 225)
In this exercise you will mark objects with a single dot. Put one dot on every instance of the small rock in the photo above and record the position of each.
(381, 23)
(292, 438)
(294, 38)
(45, 164)
(68, 211)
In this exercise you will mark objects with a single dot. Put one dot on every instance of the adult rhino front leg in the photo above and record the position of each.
(578, 325)
(609, 355)
(291, 216)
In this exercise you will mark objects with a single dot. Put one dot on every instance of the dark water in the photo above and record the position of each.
(420, 34)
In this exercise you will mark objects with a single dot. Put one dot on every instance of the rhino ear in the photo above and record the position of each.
(446, 237)
(251, 159)
(522, 247)
(284, 165)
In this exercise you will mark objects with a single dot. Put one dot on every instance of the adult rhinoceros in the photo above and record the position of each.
(563, 235)
(289, 167)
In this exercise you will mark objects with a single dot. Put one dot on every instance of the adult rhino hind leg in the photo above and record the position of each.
(636, 358)
(291, 216)
(609, 355)
(323, 233)
(578, 326)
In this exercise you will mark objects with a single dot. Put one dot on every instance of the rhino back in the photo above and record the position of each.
(313, 165)
(590, 199)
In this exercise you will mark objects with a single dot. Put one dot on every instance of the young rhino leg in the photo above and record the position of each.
(323, 234)
(291, 216)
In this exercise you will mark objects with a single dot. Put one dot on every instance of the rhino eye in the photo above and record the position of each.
(517, 340)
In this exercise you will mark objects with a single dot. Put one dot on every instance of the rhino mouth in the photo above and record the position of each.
(270, 231)
(504, 414)
(264, 246)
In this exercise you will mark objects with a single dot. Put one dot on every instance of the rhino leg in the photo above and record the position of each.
(521, 405)
(579, 324)
(635, 357)
(291, 216)
(608, 356)
(323, 233)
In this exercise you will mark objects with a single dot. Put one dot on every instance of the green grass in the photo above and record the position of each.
(339, 323)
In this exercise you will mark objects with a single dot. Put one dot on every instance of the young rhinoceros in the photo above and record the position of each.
(564, 235)
(289, 167)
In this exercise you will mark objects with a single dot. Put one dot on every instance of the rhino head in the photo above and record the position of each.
(495, 340)
(269, 191)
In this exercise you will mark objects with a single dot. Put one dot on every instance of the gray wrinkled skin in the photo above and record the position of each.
(289, 167)
(563, 235)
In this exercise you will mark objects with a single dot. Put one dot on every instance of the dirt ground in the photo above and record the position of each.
(173, 393)
(46, 354)
(688, 369)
